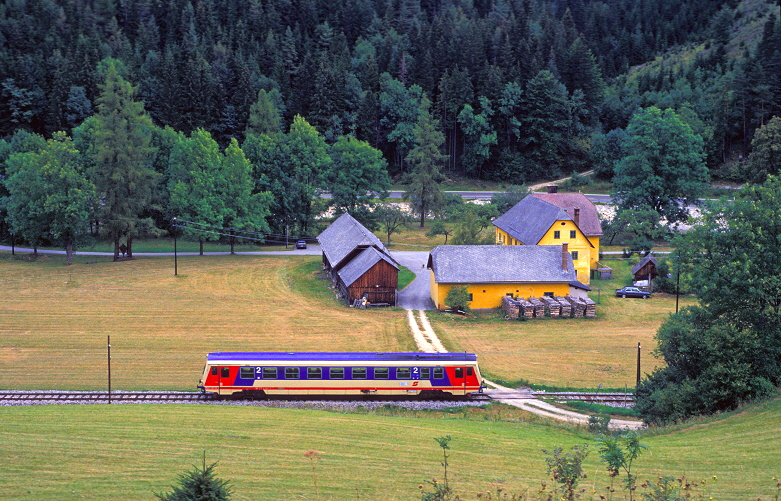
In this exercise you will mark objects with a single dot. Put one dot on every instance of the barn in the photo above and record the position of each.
(359, 264)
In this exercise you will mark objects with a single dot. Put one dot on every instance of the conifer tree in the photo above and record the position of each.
(427, 160)
(122, 157)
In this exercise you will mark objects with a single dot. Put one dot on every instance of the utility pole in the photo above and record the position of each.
(638, 366)
(109, 368)
(175, 260)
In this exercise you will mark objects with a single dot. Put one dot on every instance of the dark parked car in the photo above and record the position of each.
(632, 292)
(301, 244)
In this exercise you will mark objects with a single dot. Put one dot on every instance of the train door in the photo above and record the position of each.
(223, 377)
(460, 378)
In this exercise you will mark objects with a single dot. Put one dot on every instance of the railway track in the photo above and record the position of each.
(9, 398)
(98, 397)
(101, 397)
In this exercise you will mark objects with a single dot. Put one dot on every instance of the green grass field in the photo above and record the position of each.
(130, 451)
(55, 319)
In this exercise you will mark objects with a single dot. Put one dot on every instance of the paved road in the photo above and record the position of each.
(417, 295)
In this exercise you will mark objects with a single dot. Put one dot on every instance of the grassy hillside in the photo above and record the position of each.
(130, 451)
(161, 325)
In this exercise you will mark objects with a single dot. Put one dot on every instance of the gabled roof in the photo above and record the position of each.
(588, 222)
(343, 236)
(362, 263)
(481, 264)
(648, 258)
(530, 219)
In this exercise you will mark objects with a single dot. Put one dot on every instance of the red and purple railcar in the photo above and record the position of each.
(341, 373)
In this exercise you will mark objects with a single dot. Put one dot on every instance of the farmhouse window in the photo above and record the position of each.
(403, 373)
(381, 372)
(557, 234)
(336, 372)
(247, 373)
(359, 372)
(548, 294)
(269, 372)
(470, 297)
(314, 373)
(292, 372)
(574, 255)
(573, 234)
(439, 373)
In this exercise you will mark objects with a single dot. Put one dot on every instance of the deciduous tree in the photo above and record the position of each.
(664, 167)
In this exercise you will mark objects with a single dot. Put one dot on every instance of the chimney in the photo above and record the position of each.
(577, 217)
(564, 255)
(553, 188)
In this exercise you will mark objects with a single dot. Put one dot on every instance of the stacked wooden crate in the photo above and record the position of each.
(539, 307)
(511, 307)
(566, 307)
(591, 307)
(553, 306)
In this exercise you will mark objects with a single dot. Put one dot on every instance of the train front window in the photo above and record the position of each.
(425, 373)
(403, 373)
(336, 372)
(292, 372)
(470, 371)
(269, 372)
(226, 372)
(381, 373)
(359, 372)
(314, 373)
(439, 373)
(214, 370)
(247, 373)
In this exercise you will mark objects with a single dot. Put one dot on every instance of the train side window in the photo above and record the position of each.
(336, 372)
(247, 373)
(292, 372)
(403, 373)
(470, 371)
(425, 373)
(226, 372)
(459, 372)
(381, 373)
(214, 370)
(439, 373)
(314, 373)
(269, 373)
(359, 372)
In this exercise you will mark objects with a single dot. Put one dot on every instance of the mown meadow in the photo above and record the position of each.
(54, 324)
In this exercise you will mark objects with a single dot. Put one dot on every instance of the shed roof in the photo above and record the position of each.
(529, 220)
(649, 258)
(345, 235)
(473, 264)
(588, 222)
(362, 263)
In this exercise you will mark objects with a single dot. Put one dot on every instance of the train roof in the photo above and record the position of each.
(341, 356)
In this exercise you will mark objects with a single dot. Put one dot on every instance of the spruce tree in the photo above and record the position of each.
(122, 156)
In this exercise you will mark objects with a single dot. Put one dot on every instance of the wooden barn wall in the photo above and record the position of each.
(381, 274)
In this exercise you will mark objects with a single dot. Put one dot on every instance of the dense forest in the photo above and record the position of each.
(520, 87)
(118, 115)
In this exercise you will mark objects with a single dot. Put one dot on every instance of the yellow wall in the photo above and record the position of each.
(587, 248)
(490, 295)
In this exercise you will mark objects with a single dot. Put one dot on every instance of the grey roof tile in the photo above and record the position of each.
(472, 264)
(530, 219)
(588, 222)
(345, 235)
(362, 263)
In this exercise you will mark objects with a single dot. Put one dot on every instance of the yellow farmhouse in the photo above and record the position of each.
(555, 219)
(493, 271)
